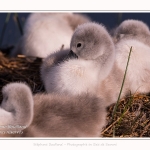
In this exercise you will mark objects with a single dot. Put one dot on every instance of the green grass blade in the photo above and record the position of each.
(19, 23)
(119, 18)
(125, 109)
(4, 28)
(115, 108)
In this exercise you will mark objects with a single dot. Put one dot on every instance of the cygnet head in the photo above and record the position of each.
(91, 41)
(18, 102)
(132, 28)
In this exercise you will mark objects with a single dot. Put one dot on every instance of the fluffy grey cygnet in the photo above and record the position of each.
(136, 35)
(134, 29)
(98, 67)
(53, 115)
(90, 61)
(45, 33)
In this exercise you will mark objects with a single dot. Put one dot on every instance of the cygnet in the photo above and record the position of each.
(138, 71)
(134, 29)
(135, 35)
(54, 115)
(98, 67)
(45, 33)
(89, 62)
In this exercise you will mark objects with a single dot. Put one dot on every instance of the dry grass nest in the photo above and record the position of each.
(132, 117)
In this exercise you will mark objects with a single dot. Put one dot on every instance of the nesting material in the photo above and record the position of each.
(132, 117)
(22, 69)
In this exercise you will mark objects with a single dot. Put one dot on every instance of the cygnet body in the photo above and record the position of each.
(45, 33)
(138, 72)
(94, 53)
(54, 115)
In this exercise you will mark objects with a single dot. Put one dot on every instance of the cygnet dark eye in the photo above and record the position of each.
(72, 55)
(79, 45)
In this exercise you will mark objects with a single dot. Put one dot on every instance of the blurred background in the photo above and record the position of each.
(11, 24)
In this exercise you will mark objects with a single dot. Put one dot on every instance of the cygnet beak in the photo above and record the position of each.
(72, 55)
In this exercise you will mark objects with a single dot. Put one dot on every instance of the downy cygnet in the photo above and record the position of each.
(99, 67)
(89, 61)
(51, 115)
(135, 35)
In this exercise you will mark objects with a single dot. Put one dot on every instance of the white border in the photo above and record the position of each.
(75, 5)
(73, 143)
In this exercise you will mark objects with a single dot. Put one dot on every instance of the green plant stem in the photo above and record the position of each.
(19, 23)
(126, 107)
(115, 108)
(4, 28)
(119, 18)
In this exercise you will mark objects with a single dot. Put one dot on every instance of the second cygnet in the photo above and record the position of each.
(50, 115)
(136, 35)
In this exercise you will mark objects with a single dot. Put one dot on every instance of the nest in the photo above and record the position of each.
(21, 69)
(132, 117)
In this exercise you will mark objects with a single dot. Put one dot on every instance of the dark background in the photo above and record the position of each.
(10, 33)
